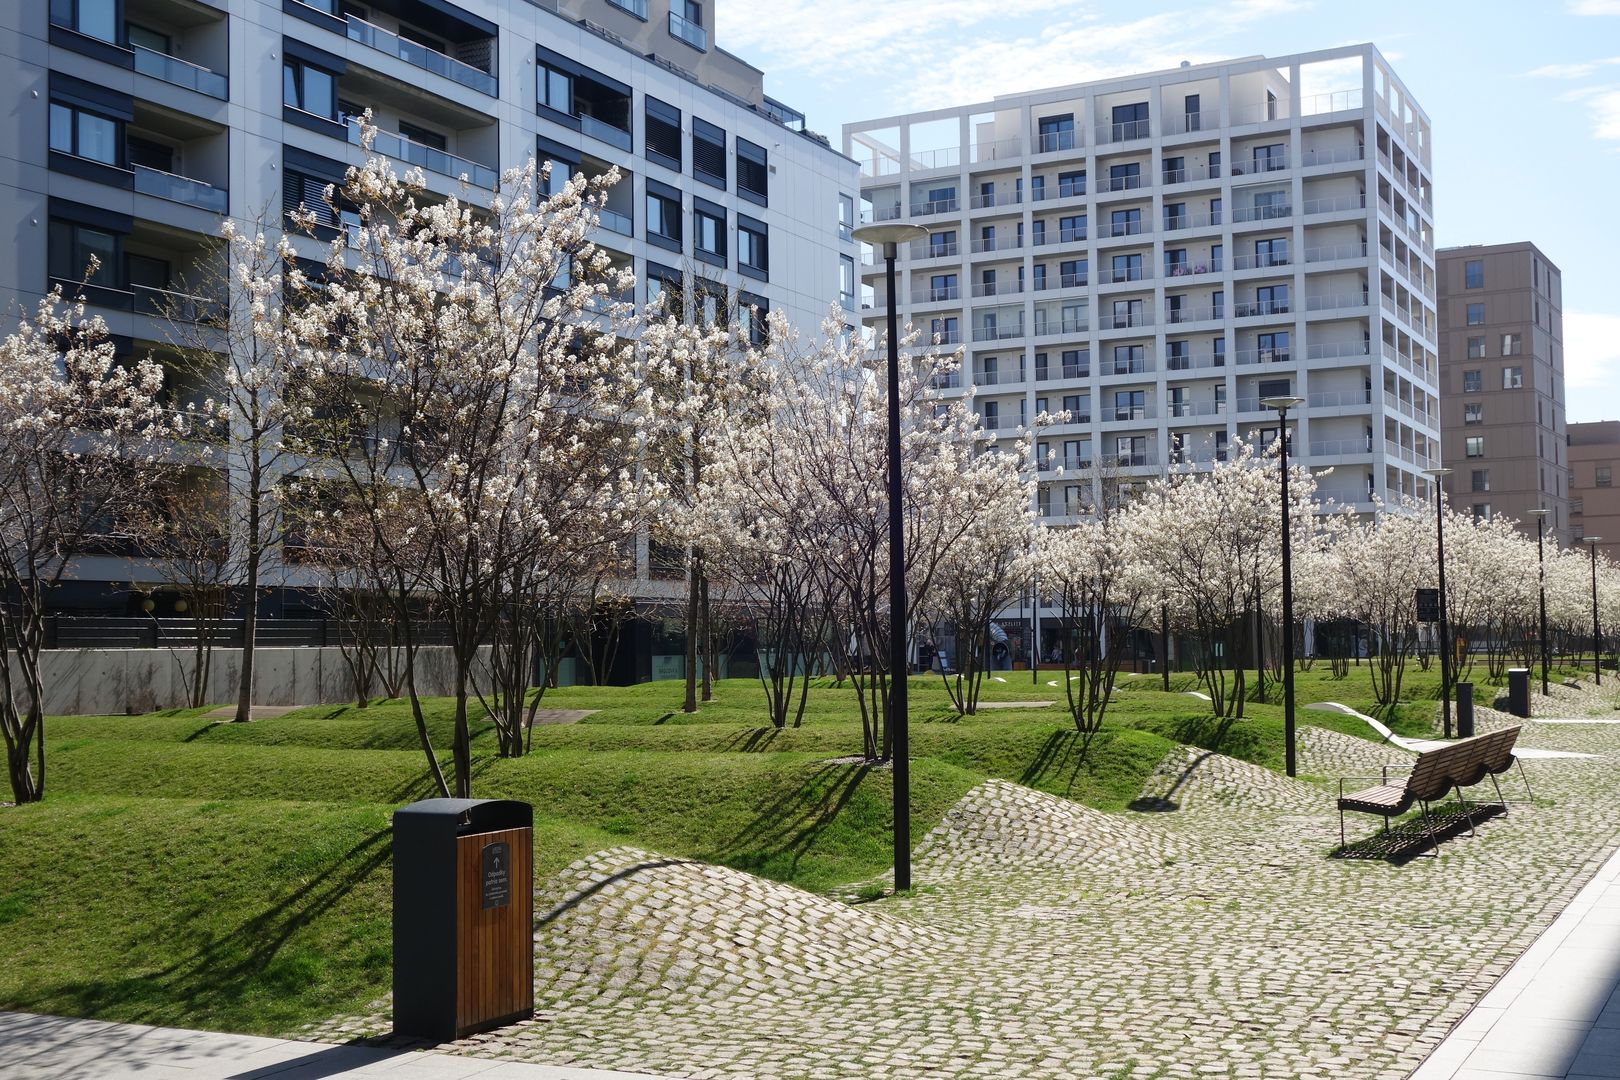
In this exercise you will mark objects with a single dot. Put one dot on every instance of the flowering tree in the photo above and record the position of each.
(1376, 569)
(476, 355)
(78, 439)
(1098, 581)
(244, 358)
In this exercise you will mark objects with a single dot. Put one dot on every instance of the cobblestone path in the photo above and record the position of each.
(1209, 936)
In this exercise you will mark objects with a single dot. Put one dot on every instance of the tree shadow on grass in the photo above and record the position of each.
(1057, 765)
(230, 969)
(788, 826)
(753, 739)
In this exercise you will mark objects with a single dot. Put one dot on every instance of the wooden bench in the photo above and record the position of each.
(1435, 773)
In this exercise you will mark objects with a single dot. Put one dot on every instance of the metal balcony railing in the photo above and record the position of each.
(688, 31)
(421, 56)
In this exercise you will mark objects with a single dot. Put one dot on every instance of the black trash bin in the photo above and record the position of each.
(1465, 710)
(1519, 692)
(463, 916)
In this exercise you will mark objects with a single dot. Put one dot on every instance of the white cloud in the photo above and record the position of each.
(1591, 353)
(1594, 7)
(1573, 71)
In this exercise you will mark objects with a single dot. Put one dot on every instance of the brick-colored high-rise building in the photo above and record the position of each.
(1594, 500)
(1502, 383)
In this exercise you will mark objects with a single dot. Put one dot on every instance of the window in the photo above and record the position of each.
(1474, 446)
(1512, 344)
(1512, 378)
(71, 248)
(1193, 112)
(708, 153)
(1272, 348)
(1482, 511)
(1214, 164)
(1056, 133)
(309, 89)
(1476, 314)
(753, 247)
(709, 232)
(1130, 404)
(846, 205)
(1473, 412)
(1603, 477)
(753, 179)
(1474, 274)
(1130, 121)
(1125, 223)
(1175, 259)
(1129, 359)
(1175, 216)
(1175, 170)
(1271, 252)
(1126, 268)
(1072, 227)
(1071, 183)
(84, 134)
(1073, 272)
(555, 88)
(846, 281)
(1270, 300)
(663, 216)
(1270, 158)
(1124, 177)
(667, 287)
(1481, 480)
(1473, 382)
(1077, 364)
(1476, 347)
(663, 125)
(92, 18)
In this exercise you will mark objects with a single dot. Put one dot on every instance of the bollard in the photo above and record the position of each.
(1465, 710)
(1519, 692)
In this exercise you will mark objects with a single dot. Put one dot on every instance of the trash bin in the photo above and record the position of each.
(463, 916)
(1519, 692)
(1465, 710)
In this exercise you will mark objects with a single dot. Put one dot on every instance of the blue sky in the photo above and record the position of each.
(1524, 96)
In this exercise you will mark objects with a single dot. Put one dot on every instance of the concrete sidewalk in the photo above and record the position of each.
(56, 1048)
(1555, 1015)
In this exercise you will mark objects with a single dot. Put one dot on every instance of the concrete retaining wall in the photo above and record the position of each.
(115, 681)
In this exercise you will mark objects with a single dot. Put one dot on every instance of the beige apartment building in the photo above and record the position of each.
(1594, 501)
(1502, 383)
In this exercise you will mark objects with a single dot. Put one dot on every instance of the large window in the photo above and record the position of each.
(663, 216)
(1476, 314)
(663, 133)
(753, 247)
(846, 281)
(1474, 274)
(556, 88)
(92, 18)
(309, 88)
(1481, 480)
(1476, 347)
(1474, 446)
(754, 180)
(1512, 344)
(708, 153)
(1056, 133)
(709, 232)
(1473, 412)
(753, 313)
(1512, 378)
(1130, 121)
(84, 134)
(72, 246)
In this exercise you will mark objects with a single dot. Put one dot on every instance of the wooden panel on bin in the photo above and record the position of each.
(494, 947)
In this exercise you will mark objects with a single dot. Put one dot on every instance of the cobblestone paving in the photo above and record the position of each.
(1047, 940)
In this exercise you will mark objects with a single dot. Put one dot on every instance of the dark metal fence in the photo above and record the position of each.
(128, 632)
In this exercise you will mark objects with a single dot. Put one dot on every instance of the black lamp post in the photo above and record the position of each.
(1541, 588)
(1282, 405)
(1437, 475)
(890, 236)
(1597, 632)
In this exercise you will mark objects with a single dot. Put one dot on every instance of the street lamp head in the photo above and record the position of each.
(1593, 540)
(1282, 404)
(889, 232)
(1437, 473)
(1541, 513)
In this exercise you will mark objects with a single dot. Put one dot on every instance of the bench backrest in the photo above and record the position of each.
(1462, 763)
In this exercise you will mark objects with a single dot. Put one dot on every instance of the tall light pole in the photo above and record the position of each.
(891, 235)
(1597, 633)
(1541, 588)
(1437, 475)
(1282, 405)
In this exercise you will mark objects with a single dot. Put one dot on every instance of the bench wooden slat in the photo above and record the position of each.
(1435, 773)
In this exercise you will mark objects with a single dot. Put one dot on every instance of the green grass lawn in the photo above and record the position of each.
(236, 876)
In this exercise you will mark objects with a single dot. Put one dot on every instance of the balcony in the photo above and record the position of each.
(1123, 228)
(946, 249)
(997, 243)
(172, 69)
(1335, 301)
(1109, 275)
(1191, 410)
(442, 162)
(1335, 253)
(998, 377)
(997, 288)
(688, 31)
(1339, 399)
(935, 294)
(1338, 350)
(1062, 281)
(1123, 320)
(936, 206)
(418, 55)
(1335, 205)
(181, 189)
(1044, 373)
(1125, 132)
(1052, 142)
(1262, 356)
(1048, 327)
(1249, 309)
(1178, 222)
(1260, 165)
(989, 199)
(1263, 212)
(1261, 261)
(1189, 362)
(1062, 191)
(177, 306)
(998, 332)
(1177, 315)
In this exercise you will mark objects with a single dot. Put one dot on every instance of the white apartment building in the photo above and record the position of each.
(1157, 254)
(139, 124)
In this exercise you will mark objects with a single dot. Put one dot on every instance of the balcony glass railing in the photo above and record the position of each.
(421, 56)
(688, 31)
(178, 306)
(638, 8)
(181, 189)
(608, 133)
(172, 69)
(613, 221)
(446, 164)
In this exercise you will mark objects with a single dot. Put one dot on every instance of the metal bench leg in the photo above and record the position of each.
(1467, 810)
(1499, 797)
(1527, 792)
(1341, 826)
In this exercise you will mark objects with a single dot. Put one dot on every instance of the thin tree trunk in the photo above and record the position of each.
(709, 659)
(693, 572)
